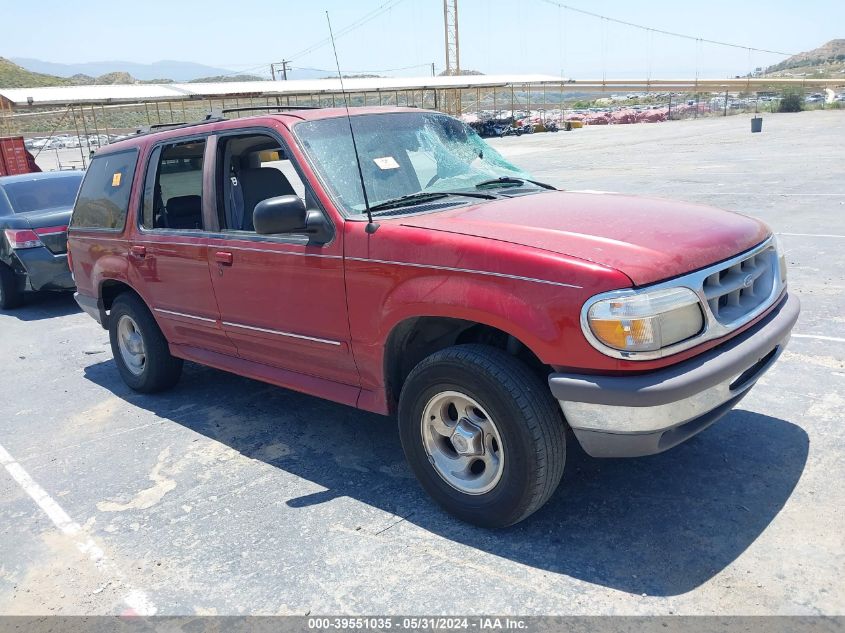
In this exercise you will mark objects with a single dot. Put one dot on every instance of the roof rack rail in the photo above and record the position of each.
(265, 107)
(211, 117)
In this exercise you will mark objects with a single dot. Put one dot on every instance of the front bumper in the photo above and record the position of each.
(643, 414)
(44, 270)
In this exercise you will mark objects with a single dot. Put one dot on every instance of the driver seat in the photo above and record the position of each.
(261, 183)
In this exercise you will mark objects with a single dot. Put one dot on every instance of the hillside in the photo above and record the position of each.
(226, 78)
(175, 70)
(13, 76)
(825, 61)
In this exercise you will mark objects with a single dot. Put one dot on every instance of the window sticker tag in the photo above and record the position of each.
(115, 179)
(386, 162)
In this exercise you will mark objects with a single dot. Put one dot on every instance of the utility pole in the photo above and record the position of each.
(284, 64)
(450, 26)
(432, 69)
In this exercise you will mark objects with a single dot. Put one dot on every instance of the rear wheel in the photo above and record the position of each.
(482, 434)
(10, 296)
(140, 350)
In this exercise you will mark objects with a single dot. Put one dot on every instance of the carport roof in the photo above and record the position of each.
(78, 95)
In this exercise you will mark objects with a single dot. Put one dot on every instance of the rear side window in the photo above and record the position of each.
(173, 190)
(104, 197)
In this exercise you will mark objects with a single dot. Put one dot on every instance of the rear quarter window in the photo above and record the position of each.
(104, 197)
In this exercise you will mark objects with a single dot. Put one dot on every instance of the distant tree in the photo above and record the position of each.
(792, 101)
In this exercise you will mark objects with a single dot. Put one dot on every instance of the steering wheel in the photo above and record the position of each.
(433, 180)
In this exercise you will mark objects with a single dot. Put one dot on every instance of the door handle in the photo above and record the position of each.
(223, 258)
(139, 251)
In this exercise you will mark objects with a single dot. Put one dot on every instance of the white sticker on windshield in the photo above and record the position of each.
(386, 162)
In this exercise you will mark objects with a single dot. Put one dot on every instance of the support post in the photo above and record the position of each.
(106, 123)
(85, 129)
(79, 138)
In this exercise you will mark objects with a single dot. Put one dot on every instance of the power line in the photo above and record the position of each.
(377, 70)
(382, 8)
(661, 31)
(247, 70)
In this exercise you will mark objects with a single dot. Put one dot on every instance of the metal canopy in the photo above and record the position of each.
(83, 95)
(135, 93)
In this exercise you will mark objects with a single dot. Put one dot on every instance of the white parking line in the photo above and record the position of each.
(820, 338)
(771, 193)
(135, 599)
(812, 235)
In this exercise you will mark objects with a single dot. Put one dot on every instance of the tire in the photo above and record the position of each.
(523, 434)
(150, 367)
(10, 296)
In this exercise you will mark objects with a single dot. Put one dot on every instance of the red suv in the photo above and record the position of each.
(411, 271)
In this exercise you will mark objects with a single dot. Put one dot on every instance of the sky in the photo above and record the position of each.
(496, 36)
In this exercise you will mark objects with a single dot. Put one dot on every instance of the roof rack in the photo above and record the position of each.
(211, 117)
(265, 107)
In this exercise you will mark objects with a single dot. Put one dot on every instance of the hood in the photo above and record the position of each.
(648, 239)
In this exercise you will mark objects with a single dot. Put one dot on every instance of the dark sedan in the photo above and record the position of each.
(34, 213)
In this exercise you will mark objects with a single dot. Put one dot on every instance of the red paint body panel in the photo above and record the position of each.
(290, 288)
(317, 318)
(651, 239)
(174, 279)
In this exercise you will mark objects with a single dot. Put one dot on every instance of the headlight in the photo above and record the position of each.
(646, 321)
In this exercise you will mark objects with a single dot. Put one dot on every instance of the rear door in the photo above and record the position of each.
(169, 252)
(282, 298)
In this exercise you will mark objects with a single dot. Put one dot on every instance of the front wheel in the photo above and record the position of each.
(140, 350)
(482, 434)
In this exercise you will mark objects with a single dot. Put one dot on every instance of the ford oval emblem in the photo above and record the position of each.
(748, 281)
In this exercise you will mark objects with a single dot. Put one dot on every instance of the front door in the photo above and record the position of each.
(169, 256)
(282, 299)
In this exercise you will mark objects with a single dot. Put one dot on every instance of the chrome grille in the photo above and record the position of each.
(738, 289)
(731, 294)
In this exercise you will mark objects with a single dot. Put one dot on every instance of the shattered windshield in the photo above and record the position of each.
(401, 154)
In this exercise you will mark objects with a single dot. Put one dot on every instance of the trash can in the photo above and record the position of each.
(757, 124)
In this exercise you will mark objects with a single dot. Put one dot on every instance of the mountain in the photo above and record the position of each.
(13, 76)
(175, 70)
(463, 72)
(225, 79)
(827, 60)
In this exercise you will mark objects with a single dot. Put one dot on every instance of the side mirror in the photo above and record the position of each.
(283, 214)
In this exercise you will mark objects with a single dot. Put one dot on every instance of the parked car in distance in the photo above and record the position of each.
(424, 276)
(34, 213)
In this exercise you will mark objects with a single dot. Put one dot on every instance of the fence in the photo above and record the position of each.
(84, 128)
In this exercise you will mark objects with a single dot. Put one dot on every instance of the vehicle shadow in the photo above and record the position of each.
(660, 525)
(39, 306)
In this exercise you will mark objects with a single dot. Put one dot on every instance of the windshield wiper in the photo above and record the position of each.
(507, 181)
(424, 196)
